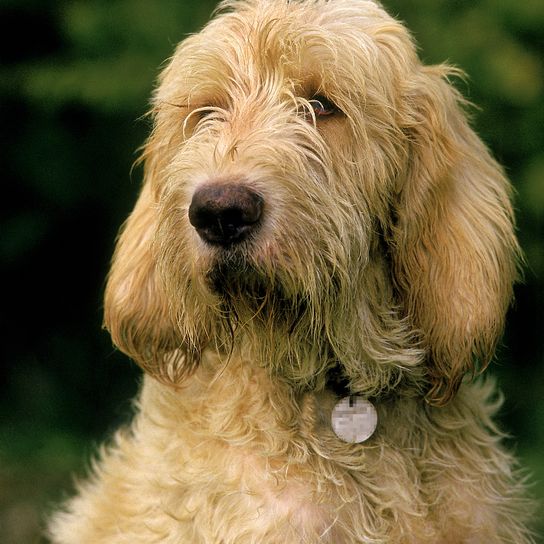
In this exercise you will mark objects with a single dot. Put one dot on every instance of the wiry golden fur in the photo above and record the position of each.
(386, 255)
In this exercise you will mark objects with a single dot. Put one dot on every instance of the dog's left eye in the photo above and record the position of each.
(322, 106)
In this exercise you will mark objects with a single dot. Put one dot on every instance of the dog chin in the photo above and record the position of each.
(233, 274)
(246, 289)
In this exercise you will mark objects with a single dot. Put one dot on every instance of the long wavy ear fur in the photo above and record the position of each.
(454, 251)
(136, 311)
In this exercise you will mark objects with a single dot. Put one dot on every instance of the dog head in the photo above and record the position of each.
(313, 196)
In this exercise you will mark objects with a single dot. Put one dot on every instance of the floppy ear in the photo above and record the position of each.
(136, 310)
(453, 246)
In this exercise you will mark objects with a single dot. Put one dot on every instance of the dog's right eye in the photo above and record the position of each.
(322, 106)
(204, 112)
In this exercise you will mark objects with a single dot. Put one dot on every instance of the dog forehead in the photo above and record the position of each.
(303, 40)
(283, 30)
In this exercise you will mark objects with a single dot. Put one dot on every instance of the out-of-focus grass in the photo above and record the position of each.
(34, 476)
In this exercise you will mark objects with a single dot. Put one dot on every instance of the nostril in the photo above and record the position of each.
(225, 214)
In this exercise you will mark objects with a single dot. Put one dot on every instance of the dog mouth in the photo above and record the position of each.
(233, 276)
(250, 294)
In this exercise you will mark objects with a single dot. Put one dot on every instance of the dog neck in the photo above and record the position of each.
(337, 381)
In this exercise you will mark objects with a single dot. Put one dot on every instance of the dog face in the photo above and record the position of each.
(313, 195)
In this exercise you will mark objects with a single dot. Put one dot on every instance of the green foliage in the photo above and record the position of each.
(76, 79)
(110, 53)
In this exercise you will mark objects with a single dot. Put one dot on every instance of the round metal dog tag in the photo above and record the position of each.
(354, 419)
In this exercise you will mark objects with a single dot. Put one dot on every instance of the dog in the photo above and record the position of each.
(320, 260)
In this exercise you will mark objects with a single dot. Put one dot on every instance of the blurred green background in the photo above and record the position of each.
(76, 77)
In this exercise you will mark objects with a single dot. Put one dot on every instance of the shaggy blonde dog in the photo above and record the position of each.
(317, 221)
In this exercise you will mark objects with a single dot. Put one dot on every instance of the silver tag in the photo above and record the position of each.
(354, 419)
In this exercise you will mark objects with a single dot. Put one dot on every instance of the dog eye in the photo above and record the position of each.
(210, 112)
(204, 111)
(322, 106)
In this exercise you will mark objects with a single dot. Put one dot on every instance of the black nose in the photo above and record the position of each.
(225, 214)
